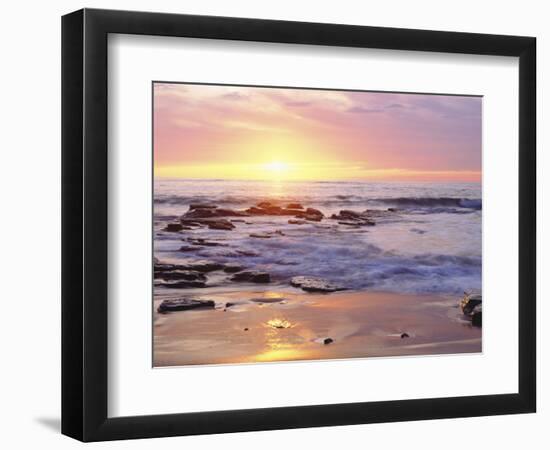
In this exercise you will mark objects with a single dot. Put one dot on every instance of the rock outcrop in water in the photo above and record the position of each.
(252, 276)
(314, 284)
(184, 304)
(269, 209)
(184, 284)
(353, 218)
(233, 268)
(203, 266)
(189, 275)
(260, 235)
(201, 242)
(292, 209)
(213, 216)
(212, 223)
(193, 206)
(471, 307)
(311, 214)
(174, 227)
(294, 206)
(210, 211)
(191, 265)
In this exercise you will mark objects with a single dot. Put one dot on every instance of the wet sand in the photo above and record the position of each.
(283, 324)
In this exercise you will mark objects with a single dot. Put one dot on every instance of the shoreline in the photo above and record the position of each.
(281, 324)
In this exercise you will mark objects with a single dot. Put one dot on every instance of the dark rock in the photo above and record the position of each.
(187, 248)
(469, 302)
(350, 224)
(249, 253)
(268, 299)
(476, 319)
(260, 235)
(310, 217)
(163, 267)
(221, 225)
(471, 306)
(204, 243)
(246, 329)
(292, 209)
(348, 214)
(193, 206)
(290, 212)
(313, 284)
(314, 212)
(173, 227)
(184, 304)
(208, 213)
(229, 304)
(255, 211)
(352, 218)
(201, 266)
(294, 206)
(190, 222)
(252, 276)
(189, 275)
(311, 214)
(200, 213)
(328, 340)
(404, 335)
(274, 211)
(265, 205)
(358, 223)
(226, 212)
(269, 209)
(392, 209)
(232, 268)
(184, 284)
(192, 265)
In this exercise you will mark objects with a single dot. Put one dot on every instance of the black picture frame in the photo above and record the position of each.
(84, 224)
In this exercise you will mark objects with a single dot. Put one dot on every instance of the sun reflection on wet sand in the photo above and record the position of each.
(282, 343)
(272, 294)
(282, 354)
(279, 323)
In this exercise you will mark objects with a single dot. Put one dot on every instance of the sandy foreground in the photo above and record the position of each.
(283, 325)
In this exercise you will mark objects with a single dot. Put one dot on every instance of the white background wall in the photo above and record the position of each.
(30, 226)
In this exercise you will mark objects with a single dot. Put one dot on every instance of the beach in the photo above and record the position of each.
(268, 271)
(287, 326)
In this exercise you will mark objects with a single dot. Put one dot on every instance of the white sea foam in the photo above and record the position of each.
(431, 243)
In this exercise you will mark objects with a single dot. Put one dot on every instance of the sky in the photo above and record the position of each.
(253, 133)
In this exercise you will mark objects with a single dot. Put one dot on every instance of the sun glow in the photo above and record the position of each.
(276, 169)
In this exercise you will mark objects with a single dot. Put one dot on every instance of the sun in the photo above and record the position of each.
(276, 166)
(276, 169)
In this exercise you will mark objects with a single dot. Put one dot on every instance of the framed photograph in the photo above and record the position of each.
(272, 224)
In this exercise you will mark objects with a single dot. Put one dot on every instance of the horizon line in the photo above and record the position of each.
(358, 180)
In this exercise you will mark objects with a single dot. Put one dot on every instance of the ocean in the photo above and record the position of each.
(430, 241)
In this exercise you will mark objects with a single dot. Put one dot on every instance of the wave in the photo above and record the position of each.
(410, 202)
(189, 199)
(416, 202)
